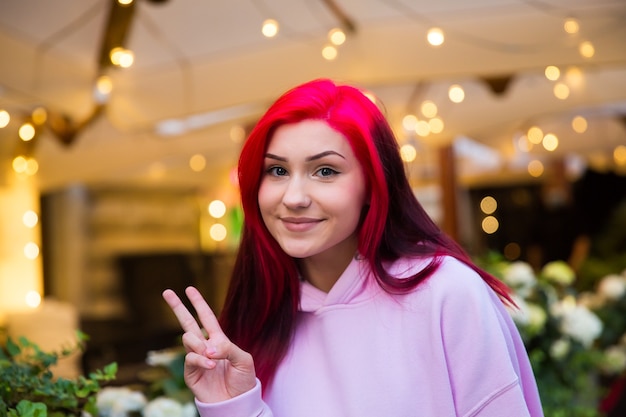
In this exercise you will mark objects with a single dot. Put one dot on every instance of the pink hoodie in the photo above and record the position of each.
(448, 348)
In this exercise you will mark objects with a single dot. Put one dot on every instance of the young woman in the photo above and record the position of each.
(346, 299)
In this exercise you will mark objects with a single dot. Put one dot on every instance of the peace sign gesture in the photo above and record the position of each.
(215, 368)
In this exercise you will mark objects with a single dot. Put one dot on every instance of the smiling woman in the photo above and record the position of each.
(346, 299)
(312, 198)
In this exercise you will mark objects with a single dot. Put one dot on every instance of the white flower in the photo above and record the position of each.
(521, 277)
(614, 360)
(162, 357)
(581, 324)
(537, 317)
(612, 287)
(119, 401)
(558, 272)
(167, 407)
(559, 348)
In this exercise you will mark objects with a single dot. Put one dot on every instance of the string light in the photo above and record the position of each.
(579, 124)
(535, 135)
(197, 162)
(550, 142)
(586, 49)
(535, 168)
(435, 37)
(561, 91)
(552, 73)
(269, 28)
(217, 209)
(26, 132)
(456, 94)
(5, 118)
(336, 36)
(409, 122)
(571, 26)
(329, 52)
(408, 153)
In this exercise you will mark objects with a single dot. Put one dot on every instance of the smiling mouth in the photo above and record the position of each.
(299, 224)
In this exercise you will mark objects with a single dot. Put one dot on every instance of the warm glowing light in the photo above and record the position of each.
(579, 124)
(39, 116)
(336, 36)
(422, 128)
(329, 52)
(571, 26)
(488, 204)
(32, 166)
(409, 121)
(456, 94)
(31, 250)
(435, 37)
(535, 135)
(436, 125)
(32, 299)
(122, 57)
(218, 232)
(586, 49)
(5, 118)
(102, 89)
(550, 142)
(552, 73)
(217, 209)
(197, 163)
(237, 134)
(490, 225)
(19, 164)
(574, 76)
(523, 144)
(535, 168)
(428, 108)
(30, 219)
(124, 2)
(408, 153)
(619, 155)
(26, 132)
(270, 28)
(561, 91)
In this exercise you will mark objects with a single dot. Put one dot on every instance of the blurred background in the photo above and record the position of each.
(121, 123)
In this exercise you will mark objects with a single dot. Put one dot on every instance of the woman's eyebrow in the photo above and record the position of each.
(308, 159)
(278, 158)
(323, 154)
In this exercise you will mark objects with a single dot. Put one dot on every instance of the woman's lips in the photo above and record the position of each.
(299, 224)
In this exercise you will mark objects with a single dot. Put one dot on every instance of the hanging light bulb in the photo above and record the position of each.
(270, 28)
(435, 36)
(5, 118)
(336, 36)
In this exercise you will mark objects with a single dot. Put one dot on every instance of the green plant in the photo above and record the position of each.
(28, 387)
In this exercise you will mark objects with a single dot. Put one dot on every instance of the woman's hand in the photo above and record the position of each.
(215, 368)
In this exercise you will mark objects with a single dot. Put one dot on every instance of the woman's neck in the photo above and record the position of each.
(323, 270)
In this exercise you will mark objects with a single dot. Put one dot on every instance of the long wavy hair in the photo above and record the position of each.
(260, 310)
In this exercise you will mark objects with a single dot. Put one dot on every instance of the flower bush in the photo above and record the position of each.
(575, 340)
(166, 394)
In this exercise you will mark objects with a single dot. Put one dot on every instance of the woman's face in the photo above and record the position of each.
(312, 191)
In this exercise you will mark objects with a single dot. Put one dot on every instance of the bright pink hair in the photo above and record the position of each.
(259, 314)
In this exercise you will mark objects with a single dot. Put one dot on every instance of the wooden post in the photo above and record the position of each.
(448, 183)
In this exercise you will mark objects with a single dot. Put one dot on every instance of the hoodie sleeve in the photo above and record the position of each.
(248, 404)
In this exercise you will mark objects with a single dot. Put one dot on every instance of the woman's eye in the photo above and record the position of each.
(277, 171)
(326, 172)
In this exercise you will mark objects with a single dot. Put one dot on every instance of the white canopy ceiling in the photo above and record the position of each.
(204, 67)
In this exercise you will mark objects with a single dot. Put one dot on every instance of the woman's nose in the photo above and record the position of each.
(296, 194)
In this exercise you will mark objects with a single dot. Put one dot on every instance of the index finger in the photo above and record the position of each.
(185, 318)
(205, 314)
